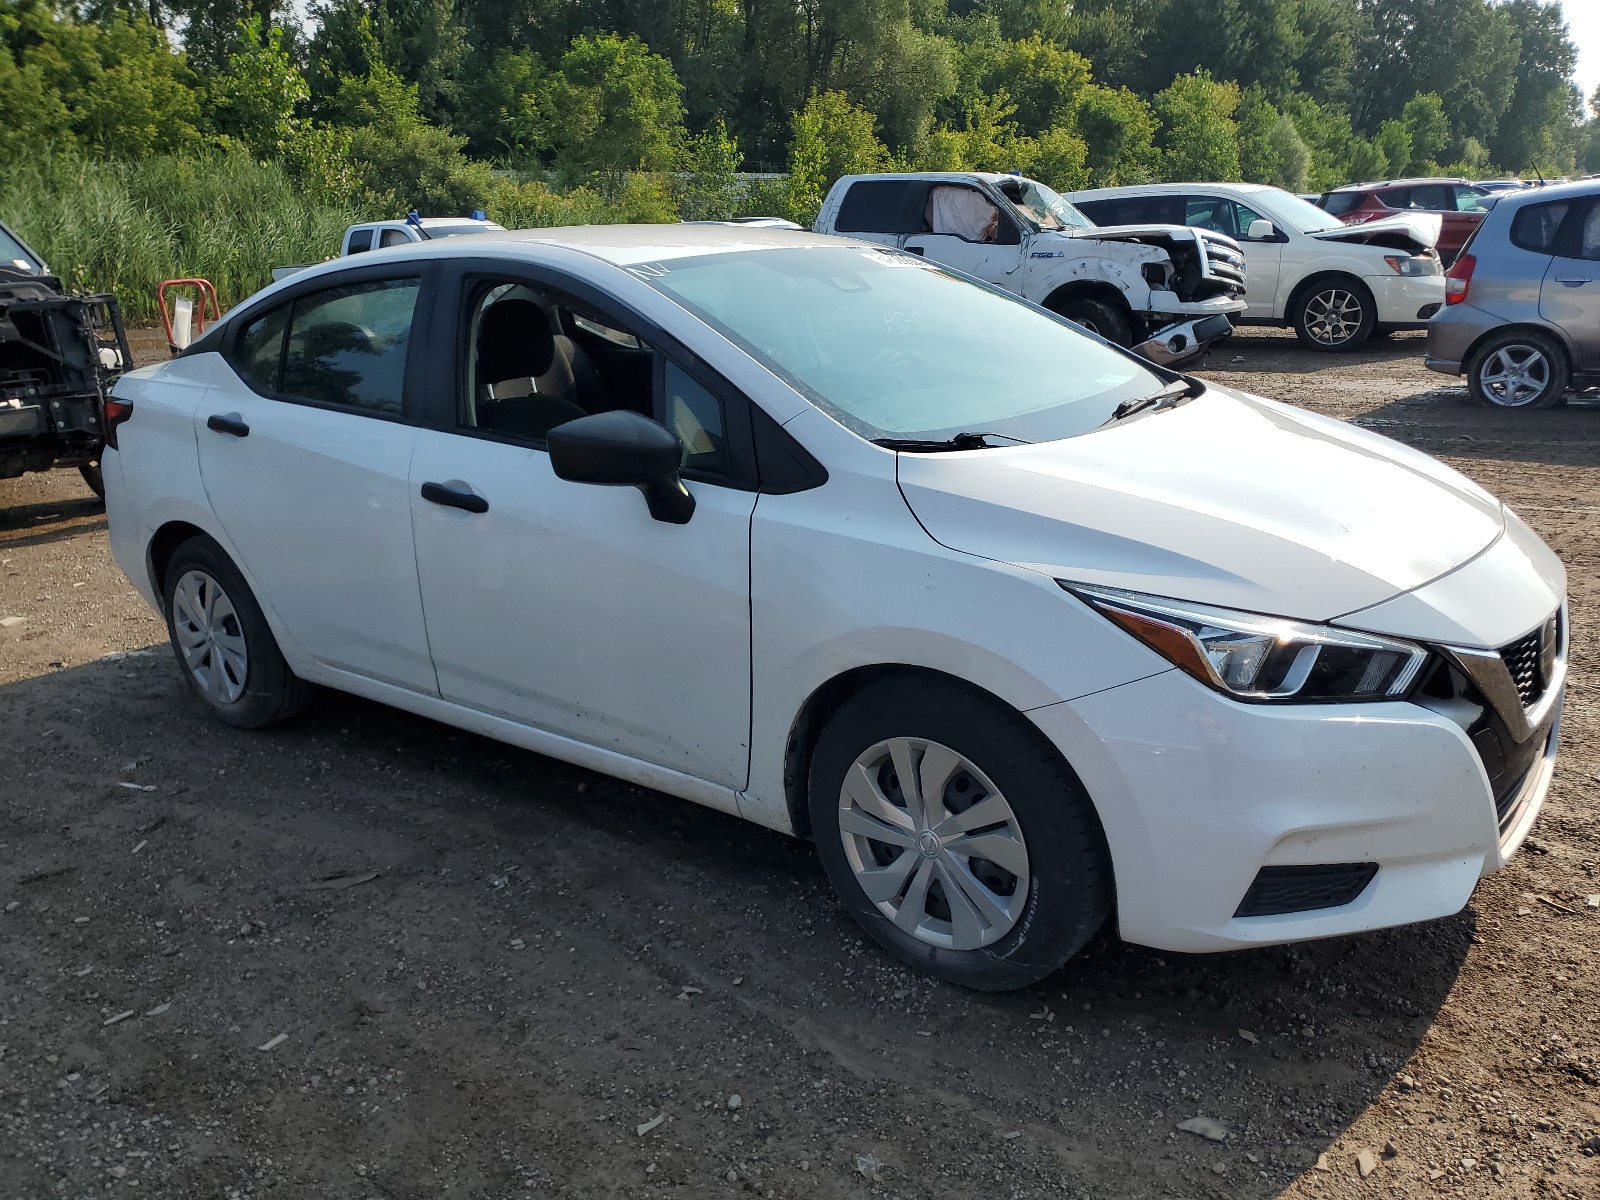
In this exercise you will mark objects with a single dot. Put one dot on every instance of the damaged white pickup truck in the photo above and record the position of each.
(1165, 290)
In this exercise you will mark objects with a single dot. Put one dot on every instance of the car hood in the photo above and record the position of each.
(1229, 500)
(1408, 231)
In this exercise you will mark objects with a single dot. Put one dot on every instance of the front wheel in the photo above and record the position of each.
(1099, 316)
(1334, 313)
(956, 834)
(1518, 369)
(223, 643)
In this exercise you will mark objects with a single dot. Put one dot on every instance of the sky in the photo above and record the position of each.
(1583, 26)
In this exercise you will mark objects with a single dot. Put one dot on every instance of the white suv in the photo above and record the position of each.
(831, 538)
(1335, 284)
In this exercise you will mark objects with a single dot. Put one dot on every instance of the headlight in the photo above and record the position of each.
(1414, 264)
(1258, 658)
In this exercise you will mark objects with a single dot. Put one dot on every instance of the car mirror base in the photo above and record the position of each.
(668, 499)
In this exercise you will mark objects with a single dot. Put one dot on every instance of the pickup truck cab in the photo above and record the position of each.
(375, 235)
(1124, 283)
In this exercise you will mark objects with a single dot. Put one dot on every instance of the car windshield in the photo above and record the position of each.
(894, 347)
(1044, 206)
(16, 256)
(1300, 215)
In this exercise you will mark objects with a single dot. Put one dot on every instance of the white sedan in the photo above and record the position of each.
(1335, 285)
(1021, 630)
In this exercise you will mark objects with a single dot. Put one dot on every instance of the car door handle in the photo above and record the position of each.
(439, 493)
(229, 423)
(916, 250)
(1573, 280)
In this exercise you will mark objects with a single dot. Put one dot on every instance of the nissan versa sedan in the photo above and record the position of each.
(1021, 630)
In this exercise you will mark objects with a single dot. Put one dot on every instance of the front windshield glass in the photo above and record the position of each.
(1299, 215)
(15, 255)
(1042, 205)
(894, 347)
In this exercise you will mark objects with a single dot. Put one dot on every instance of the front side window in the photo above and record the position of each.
(394, 237)
(695, 416)
(1208, 212)
(891, 346)
(1472, 200)
(1535, 226)
(347, 345)
(962, 212)
(15, 256)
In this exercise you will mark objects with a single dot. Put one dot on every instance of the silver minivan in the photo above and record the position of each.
(1522, 302)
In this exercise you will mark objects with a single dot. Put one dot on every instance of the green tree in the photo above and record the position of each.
(1393, 141)
(1199, 138)
(832, 137)
(1044, 80)
(1120, 130)
(33, 119)
(255, 99)
(1544, 102)
(612, 105)
(1062, 159)
(708, 188)
(1424, 119)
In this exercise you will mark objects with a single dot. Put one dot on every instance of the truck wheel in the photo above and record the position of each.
(1334, 312)
(223, 643)
(1518, 369)
(1099, 316)
(94, 478)
(956, 834)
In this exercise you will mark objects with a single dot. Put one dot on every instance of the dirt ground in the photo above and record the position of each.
(547, 962)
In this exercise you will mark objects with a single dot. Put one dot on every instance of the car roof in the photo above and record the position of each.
(1373, 185)
(1169, 189)
(939, 176)
(427, 223)
(1546, 192)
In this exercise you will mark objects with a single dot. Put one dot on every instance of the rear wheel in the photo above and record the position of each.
(92, 476)
(1333, 312)
(223, 643)
(956, 834)
(1099, 316)
(1518, 369)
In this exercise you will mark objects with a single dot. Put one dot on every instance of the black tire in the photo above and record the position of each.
(1542, 382)
(1099, 316)
(1069, 890)
(1333, 313)
(94, 478)
(268, 690)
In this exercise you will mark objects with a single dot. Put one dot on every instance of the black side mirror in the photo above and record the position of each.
(625, 449)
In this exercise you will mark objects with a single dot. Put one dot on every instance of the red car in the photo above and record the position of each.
(1459, 203)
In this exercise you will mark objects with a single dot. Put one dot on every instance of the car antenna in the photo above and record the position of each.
(414, 219)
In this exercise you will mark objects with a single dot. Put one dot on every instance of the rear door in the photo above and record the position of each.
(882, 210)
(1570, 295)
(305, 449)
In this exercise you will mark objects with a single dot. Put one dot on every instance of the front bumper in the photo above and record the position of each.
(1403, 299)
(1165, 306)
(1198, 793)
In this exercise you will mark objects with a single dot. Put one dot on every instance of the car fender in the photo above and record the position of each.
(1058, 262)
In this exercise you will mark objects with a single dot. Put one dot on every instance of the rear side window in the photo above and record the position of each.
(1336, 204)
(1535, 226)
(259, 354)
(1589, 237)
(360, 241)
(347, 345)
(1146, 210)
(1095, 210)
(882, 206)
(1434, 197)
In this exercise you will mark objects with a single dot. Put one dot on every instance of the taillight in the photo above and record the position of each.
(1458, 279)
(116, 412)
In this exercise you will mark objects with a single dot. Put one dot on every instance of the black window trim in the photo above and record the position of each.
(427, 276)
(450, 330)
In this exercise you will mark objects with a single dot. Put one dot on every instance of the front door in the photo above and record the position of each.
(969, 232)
(305, 456)
(565, 606)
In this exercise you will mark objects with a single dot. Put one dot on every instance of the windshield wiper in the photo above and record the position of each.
(960, 441)
(1167, 397)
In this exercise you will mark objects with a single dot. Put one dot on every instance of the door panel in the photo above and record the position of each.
(1570, 295)
(990, 263)
(317, 503)
(565, 606)
(1263, 262)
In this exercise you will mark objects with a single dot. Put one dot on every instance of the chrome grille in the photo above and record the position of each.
(1530, 658)
(1223, 260)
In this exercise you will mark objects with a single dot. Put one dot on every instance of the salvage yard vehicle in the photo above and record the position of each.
(1522, 314)
(1158, 284)
(59, 354)
(379, 235)
(1335, 285)
(1459, 204)
(1022, 630)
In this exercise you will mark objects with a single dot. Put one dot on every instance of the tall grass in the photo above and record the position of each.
(123, 227)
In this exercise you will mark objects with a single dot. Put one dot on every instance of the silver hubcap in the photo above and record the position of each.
(210, 637)
(1333, 316)
(1515, 375)
(933, 844)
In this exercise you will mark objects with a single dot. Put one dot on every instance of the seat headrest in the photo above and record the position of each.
(514, 341)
